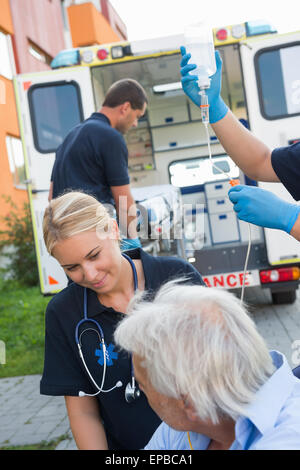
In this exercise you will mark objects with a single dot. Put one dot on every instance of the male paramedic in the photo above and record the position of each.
(208, 374)
(94, 155)
(256, 160)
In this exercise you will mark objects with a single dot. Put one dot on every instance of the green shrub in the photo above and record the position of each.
(19, 236)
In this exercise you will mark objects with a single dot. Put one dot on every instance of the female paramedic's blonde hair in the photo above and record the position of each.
(73, 213)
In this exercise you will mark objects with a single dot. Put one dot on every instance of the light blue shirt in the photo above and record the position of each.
(271, 421)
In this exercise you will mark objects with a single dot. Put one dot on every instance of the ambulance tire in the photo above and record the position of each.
(286, 297)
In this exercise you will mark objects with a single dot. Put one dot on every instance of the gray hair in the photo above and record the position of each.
(200, 343)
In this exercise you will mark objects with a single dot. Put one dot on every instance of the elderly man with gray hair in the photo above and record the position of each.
(208, 374)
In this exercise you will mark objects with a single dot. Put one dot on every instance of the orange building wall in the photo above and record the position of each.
(38, 21)
(8, 125)
(5, 17)
(29, 20)
(114, 19)
(88, 26)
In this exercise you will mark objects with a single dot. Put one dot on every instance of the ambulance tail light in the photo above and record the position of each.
(222, 34)
(279, 275)
(102, 54)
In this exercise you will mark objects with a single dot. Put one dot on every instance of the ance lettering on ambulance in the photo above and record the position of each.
(232, 280)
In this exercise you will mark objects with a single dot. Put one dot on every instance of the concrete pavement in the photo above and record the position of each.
(26, 417)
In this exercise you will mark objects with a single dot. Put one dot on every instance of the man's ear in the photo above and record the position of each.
(188, 408)
(125, 107)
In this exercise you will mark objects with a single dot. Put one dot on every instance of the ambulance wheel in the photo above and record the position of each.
(286, 297)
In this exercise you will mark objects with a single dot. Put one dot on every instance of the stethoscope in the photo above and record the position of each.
(131, 391)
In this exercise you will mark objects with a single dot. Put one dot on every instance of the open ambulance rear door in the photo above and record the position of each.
(49, 105)
(272, 86)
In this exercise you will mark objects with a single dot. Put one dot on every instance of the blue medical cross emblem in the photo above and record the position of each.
(110, 355)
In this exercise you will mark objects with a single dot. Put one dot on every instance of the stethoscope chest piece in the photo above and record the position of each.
(131, 392)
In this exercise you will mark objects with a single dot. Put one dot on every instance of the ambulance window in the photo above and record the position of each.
(277, 71)
(55, 108)
(221, 165)
(191, 172)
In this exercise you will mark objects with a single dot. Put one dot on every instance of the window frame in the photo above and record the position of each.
(39, 54)
(259, 82)
(33, 114)
(12, 162)
(10, 57)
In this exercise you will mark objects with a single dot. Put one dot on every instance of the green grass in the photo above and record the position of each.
(22, 313)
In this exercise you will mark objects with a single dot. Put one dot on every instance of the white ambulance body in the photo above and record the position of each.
(261, 85)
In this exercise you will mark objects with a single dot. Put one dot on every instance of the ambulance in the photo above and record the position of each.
(168, 151)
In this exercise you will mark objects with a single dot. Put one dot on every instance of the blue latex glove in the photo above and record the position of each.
(217, 108)
(130, 244)
(261, 207)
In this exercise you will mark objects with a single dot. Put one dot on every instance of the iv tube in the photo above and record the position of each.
(199, 43)
(204, 107)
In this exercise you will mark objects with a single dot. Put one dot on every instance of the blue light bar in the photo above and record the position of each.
(254, 28)
(66, 58)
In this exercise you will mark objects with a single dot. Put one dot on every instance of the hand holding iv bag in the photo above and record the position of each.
(190, 77)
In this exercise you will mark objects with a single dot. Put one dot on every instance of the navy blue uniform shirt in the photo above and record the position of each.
(93, 157)
(127, 425)
(286, 164)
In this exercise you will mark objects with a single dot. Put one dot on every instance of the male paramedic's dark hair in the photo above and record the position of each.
(125, 90)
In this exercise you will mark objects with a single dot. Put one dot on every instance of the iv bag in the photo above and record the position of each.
(199, 43)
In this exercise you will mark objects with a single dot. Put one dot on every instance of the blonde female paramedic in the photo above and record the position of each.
(105, 407)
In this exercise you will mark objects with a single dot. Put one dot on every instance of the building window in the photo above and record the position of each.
(64, 14)
(39, 54)
(16, 161)
(6, 63)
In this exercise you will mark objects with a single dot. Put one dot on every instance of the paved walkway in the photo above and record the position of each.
(26, 417)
